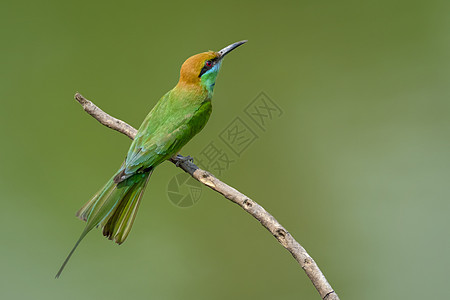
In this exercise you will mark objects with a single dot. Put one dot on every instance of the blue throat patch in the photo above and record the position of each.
(208, 80)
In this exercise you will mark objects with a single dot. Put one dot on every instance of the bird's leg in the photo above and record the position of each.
(182, 159)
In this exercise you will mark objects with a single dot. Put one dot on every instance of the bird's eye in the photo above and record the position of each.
(208, 63)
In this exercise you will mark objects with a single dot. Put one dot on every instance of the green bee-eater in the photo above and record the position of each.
(177, 117)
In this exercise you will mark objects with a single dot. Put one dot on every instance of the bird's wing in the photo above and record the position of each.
(158, 143)
(157, 148)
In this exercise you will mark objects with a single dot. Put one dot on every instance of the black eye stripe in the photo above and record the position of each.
(206, 68)
(203, 71)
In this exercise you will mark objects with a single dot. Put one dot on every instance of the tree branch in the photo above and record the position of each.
(258, 212)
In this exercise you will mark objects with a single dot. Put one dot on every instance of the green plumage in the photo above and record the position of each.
(177, 117)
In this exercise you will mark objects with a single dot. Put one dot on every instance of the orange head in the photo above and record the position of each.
(202, 69)
(191, 70)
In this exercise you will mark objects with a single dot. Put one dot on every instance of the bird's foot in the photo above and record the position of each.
(179, 159)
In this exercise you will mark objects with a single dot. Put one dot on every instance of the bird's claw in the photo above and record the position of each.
(182, 159)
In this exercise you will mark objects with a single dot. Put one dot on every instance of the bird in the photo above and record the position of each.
(175, 119)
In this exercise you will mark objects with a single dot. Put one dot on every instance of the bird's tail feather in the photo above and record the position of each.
(118, 225)
(83, 234)
(114, 208)
(98, 200)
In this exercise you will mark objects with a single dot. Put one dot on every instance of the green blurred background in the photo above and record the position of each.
(357, 167)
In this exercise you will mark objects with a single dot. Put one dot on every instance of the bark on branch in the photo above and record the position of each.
(254, 209)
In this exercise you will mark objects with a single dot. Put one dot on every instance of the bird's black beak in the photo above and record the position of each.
(230, 48)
